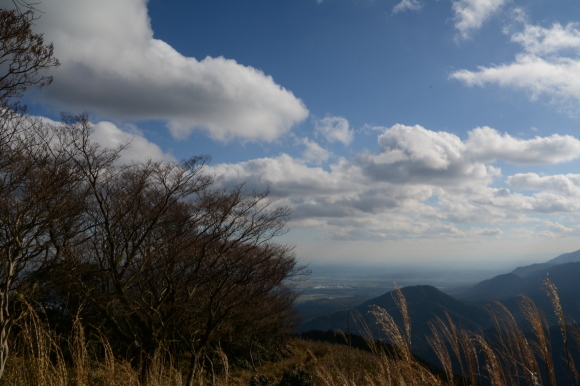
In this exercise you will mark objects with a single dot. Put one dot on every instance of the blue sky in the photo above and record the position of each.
(398, 131)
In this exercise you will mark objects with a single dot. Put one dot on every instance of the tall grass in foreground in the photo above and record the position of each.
(507, 356)
(39, 357)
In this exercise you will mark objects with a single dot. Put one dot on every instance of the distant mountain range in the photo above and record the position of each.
(572, 257)
(563, 271)
(565, 276)
(467, 309)
(423, 301)
(424, 304)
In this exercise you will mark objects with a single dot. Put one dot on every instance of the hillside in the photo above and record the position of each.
(572, 257)
(508, 288)
(425, 304)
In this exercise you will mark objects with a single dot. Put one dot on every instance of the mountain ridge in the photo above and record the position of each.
(571, 257)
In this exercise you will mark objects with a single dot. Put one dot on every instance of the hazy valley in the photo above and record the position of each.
(331, 288)
(460, 297)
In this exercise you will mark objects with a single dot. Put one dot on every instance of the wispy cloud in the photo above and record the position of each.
(470, 15)
(407, 5)
(547, 66)
(542, 41)
(487, 145)
(313, 152)
(334, 129)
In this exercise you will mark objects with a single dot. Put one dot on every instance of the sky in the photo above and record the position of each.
(408, 131)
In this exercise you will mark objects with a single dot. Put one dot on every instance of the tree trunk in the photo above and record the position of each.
(149, 357)
(3, 348)
(193, 368)
(5, 317)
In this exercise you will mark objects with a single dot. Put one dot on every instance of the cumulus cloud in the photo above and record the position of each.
(564, 184)
(470, 15)
(547, 202)
(553, 194)
(313, 152)
(557, 77)
(557, 228)
(415, 154)
(487, 144)
(538, 40)
(287, 177)
(407, 5)
(334, 129)
(418, 184)
(548, 65)
(111, 63)
(137, 147)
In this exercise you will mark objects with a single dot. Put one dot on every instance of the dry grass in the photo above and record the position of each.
(509, 357)
(37, 358)
(332, 364)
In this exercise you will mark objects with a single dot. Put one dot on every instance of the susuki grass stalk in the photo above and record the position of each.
(492, 364)
(109, 359)
(80, 356)
(519, 359)
(42, 361)
(541, 330)
(552, 292)
(401, 303)
(402, 367)
(393, 333)
(467, 342)
(439, 346)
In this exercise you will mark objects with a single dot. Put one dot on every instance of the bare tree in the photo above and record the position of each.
(163, 256)
(23, 54)
(240, 269)
(36, 183)
(41, 204)
(131, 207)
(169, 260)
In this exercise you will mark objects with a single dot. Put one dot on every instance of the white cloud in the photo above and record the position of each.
(470, 15)
(548, 66)
(554, 194)
(557, 77)
(287, 177)
(109, 135)
(407, 5)
(419, 184)
(477, 231)
(334, 129)
(546, 202)
(137, 147)
(415, 154)
(313, 152)
(566, 185)
(487, 144)
(558, 228)
(112, 64)
(542, 41)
